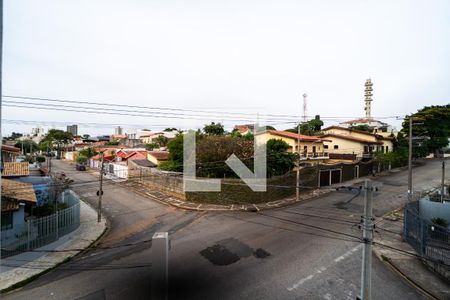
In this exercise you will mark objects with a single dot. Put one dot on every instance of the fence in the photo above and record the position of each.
(38, 232)
(429, 240)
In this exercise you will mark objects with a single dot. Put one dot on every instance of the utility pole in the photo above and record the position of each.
(297, 186)
(100, 191)
(367, 239)
(443, 179)
(410, 160)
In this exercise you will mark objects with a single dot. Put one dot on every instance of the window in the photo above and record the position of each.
(336, 147)
(382, 148)
(387, 149)
(7, 220)
(325, 146)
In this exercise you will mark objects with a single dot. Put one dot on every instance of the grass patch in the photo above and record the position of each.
(385, 258)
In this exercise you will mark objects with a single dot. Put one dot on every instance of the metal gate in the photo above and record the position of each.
(329, 177)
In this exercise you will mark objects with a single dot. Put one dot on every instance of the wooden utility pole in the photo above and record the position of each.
(100, 191)
(297, 186)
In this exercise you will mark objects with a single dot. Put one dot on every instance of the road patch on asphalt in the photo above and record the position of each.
(231, 250)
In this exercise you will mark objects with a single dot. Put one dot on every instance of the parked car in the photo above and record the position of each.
(80, 167)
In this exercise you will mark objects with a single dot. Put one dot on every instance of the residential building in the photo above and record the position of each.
(245, 129)
(311, 147)
(346, 143)
(156, 157)
(73, 129)
(375, 126)
(9, 153)
(151, 137)
(17, 198)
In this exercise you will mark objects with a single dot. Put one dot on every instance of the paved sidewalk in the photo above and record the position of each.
(18, 268)
(389, 231)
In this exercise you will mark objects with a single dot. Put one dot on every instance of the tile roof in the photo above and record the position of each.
(8, 148)
(9, 205)
(150, 134)
(16, 169)
(349, 129)
(244, 128)
(144, 163)
(295, 136)
(159, 155)
(352, 138)
(19, 191)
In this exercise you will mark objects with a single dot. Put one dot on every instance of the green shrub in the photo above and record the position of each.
(440, 222)
(40, 159)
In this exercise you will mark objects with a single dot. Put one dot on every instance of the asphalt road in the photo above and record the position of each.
(306, 251)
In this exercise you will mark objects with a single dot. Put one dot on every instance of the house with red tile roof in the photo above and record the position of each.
(157, 157)
(245, 129)
(309, 147)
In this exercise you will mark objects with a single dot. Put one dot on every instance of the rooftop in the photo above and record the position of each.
(159, 155)
(296, 136)
(12, 149)
(352, 138)
(19, 191)
(11, 169)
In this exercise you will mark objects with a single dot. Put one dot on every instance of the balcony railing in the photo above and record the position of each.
(367, 155)
(313, 155)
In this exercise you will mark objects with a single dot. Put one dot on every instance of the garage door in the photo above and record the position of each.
(335, 176)
(324, 178)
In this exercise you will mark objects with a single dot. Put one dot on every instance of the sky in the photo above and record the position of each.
(246, 57)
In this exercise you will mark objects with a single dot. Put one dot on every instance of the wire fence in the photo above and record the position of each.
(37, 232)
(429, 240)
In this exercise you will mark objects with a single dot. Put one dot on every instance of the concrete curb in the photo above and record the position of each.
(411, 282)
(80, 240)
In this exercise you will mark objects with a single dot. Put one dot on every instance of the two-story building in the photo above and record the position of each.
(311, 147)
(346, 143)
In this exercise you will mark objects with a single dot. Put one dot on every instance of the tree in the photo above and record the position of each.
(45, 146)
(40, 159)
(162, 140)
(175, 160)
(151, 146)
(58, 136)
(169, 129)
(432, 123)
(279, 161)
(88, 152)
(214, 129)
(361, 128)
(28, 146)
(268, 127)
(311, 127)
(13, 136)
(113, 142)
(81, 159)
(86, 136)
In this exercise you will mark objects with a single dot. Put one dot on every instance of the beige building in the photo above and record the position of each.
(311, 147)
(345, 142)
(157, 156)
